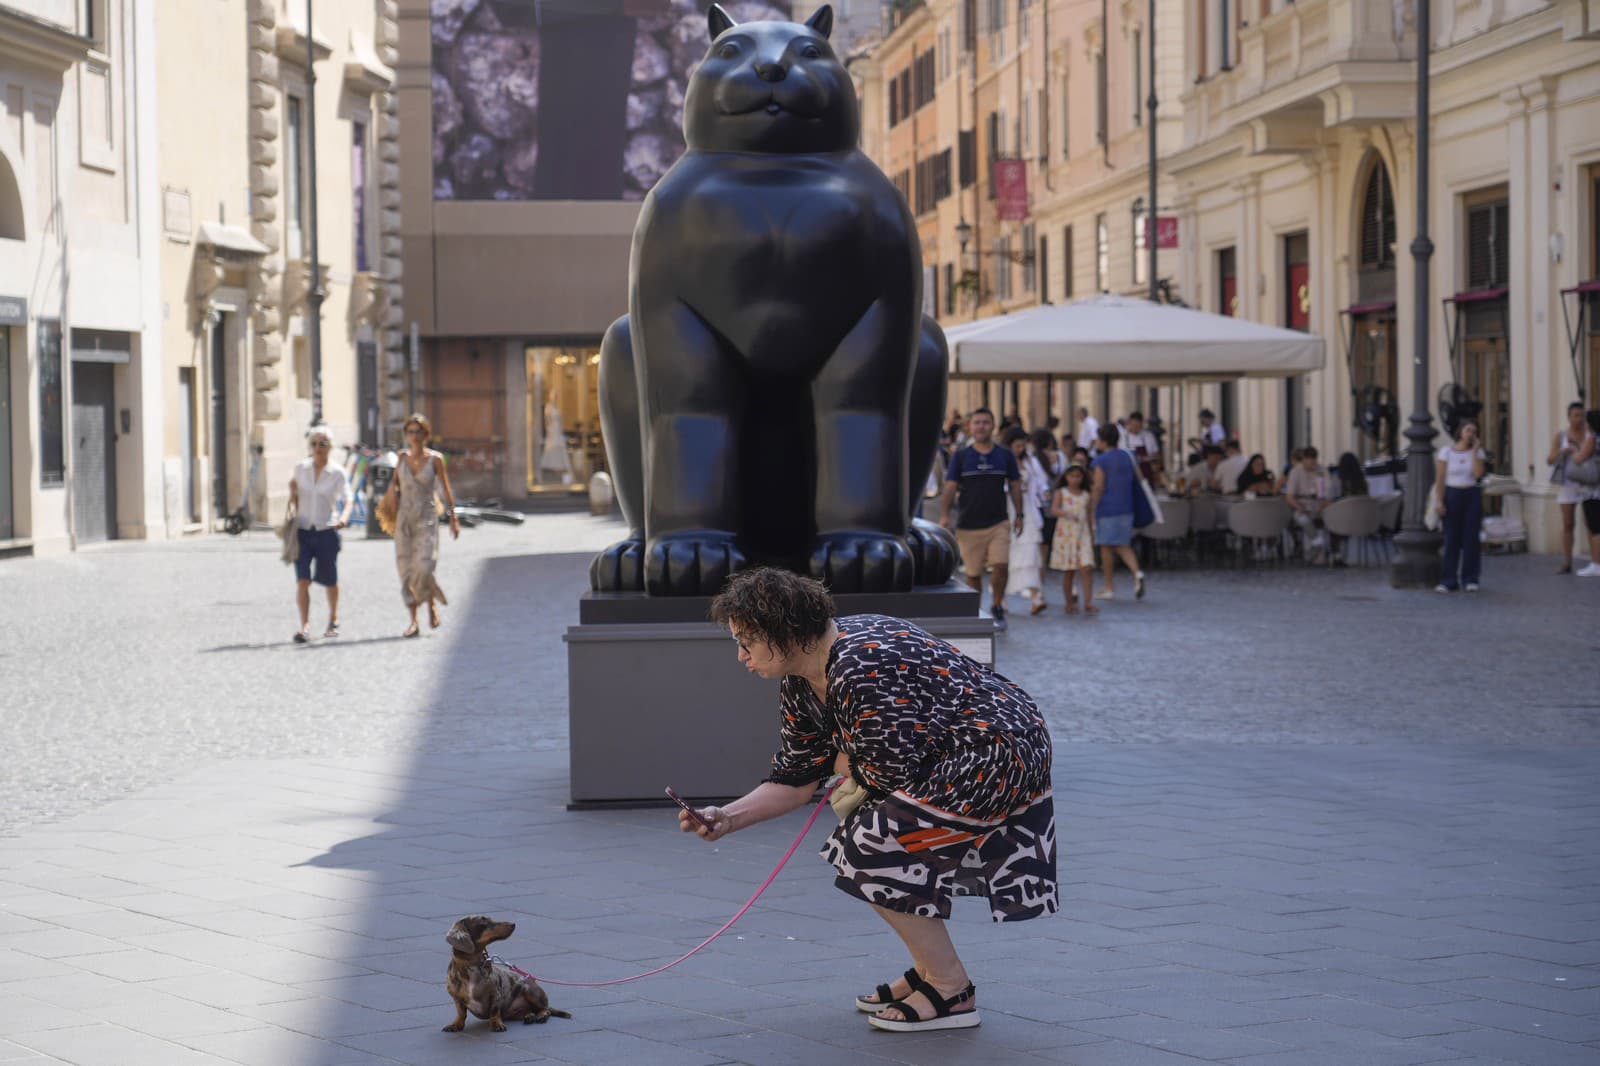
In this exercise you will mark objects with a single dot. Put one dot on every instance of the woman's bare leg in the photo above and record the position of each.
(1569, 527)
(935, 958)
(1108, 569)
(302, 599)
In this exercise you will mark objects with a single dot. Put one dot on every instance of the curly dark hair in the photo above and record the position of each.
(786, 610)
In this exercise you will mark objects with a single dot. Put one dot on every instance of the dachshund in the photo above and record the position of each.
(485, 988)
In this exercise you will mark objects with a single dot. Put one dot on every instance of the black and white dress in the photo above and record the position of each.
(956, 759)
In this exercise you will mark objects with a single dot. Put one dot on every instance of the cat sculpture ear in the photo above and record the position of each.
(720, 21)
(822, 21)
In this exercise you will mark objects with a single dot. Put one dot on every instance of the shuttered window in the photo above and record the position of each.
(1377, 221)
(968, 150)
(1488, 245)
(1066, 265)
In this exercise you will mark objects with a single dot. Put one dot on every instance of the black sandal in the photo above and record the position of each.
(943, 1017)
(885, 994)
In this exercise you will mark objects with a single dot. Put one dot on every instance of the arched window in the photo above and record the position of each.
(10, 204)
(1377, 221)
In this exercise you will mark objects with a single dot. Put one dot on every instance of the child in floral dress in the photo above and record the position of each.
(1072, 548)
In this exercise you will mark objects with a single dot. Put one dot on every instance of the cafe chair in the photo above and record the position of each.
(1354, 518)
(1172, 530)
(1203, 524)
(1259, 525)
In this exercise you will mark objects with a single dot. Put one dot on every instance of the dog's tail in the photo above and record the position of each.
(554, 1013)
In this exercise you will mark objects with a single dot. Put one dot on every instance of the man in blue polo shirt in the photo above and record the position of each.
(983, 473)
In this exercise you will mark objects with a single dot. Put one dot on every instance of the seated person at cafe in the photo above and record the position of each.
(1232, 465)
(1307, 490)
(1207, 476)
(1350, 479)
(1257, 478)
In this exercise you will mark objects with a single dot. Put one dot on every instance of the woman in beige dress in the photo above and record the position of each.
(419, 478)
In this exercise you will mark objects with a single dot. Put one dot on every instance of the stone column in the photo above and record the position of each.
(264, 285)
(392, 339)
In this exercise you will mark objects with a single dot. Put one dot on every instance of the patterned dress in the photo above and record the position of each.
(956, 761)
(416, 534)
(1072, 548)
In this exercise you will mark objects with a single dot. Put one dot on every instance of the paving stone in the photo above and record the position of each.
(1296, 873)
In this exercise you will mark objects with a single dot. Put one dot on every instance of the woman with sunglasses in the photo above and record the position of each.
(315, 490)
(418, 481)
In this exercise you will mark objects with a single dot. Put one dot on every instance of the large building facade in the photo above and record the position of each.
(238, 174)
(970, 96)
(1287, 157)
(79, 310)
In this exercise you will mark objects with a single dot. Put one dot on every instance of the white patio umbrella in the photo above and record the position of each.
(1129, 339)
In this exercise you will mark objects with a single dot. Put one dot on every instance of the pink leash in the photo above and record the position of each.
(729, 925)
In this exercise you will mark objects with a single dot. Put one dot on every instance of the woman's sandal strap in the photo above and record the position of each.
(885, 994)
(941, 1006)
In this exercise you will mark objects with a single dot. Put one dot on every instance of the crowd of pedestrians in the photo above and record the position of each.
(1031, 503)
(1071, 501)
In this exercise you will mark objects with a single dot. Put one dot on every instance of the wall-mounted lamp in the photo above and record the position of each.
(1558, 247)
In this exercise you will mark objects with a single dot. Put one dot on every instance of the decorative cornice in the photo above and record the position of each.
(38, 43)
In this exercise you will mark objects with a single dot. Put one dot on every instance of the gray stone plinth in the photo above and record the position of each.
(660, 704)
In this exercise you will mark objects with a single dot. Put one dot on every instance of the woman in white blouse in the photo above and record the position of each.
(1459, 500)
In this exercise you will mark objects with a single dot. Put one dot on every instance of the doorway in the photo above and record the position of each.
(186, 448)
(1374, 366)
(94, 456)
(367, 391)
(8, 517)
(219, 415)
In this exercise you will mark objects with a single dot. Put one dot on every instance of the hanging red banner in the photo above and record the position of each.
(1166, 231)
(1011, 189)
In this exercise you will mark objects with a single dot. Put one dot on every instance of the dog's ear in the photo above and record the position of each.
(460, 938)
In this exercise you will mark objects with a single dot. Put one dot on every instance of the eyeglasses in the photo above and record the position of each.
(741, 644)
(419, 432)
(321, 444)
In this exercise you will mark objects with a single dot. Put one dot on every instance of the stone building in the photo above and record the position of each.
(1048, 92)
(80, 417)
(1286, 154)
(236, 165)
(1297, 186)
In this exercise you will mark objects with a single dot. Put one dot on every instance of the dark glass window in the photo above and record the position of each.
(52, 451)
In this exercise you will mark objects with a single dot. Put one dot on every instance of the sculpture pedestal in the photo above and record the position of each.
(656, 695)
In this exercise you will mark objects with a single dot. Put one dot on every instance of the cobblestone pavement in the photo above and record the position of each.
(1303, 820)
(142, 660)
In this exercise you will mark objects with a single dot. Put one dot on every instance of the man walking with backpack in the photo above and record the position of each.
(983, 473)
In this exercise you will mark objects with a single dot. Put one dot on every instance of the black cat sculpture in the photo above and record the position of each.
(774, 394)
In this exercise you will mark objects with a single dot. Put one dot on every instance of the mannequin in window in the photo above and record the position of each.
(554, 459)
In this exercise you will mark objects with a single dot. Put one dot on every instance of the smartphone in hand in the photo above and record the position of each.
(675, 798)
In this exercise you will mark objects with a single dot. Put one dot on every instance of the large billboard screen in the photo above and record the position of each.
(564, 99)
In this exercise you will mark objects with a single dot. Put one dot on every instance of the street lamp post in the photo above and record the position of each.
(1150, 216)
(315, 294)
(1416, 562)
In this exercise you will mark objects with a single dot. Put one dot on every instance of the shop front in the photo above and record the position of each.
(565, 445)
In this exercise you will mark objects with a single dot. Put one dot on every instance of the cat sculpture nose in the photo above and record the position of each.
(771, 71)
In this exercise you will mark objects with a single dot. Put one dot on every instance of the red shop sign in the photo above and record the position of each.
(1166, 231)
(1011, 189)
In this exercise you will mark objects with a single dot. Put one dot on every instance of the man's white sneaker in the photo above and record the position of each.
(1592, 570)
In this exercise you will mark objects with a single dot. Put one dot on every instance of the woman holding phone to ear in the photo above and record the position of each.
(949, 760)
(1458, 498)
